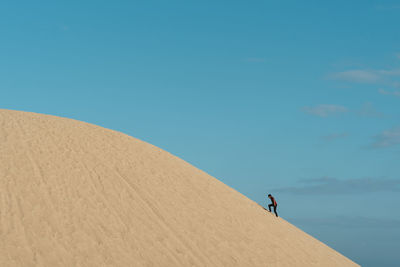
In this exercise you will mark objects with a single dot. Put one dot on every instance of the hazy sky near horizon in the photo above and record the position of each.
(297, 99)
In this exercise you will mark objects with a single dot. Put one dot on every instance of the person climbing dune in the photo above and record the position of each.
(273, 204)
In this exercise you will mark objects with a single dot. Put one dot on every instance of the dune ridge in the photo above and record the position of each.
(76, 194)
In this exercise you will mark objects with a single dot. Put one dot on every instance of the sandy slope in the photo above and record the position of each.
(75, 194)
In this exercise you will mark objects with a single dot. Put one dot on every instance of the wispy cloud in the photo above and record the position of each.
(333, 186)
(348, 222)
(358, 76)
(368, 110)
(324, 110)
(391, 93)
(64, 28)
(367, 76)
(387, 138)
(394, 72)
(335, 136)
(387, 7)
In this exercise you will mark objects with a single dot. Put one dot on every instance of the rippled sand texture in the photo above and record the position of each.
(76, 194)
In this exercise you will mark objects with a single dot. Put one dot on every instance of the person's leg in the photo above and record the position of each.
(269, 207)
(275, 211)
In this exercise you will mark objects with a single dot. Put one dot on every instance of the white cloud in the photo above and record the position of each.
(325, 110)
(393, 93)
(64, 28)
(367, 76)
(333, 186)
(387, 138)
(395, 84)
(368, 110)
(358, 76)
(394, 72)
(388, 7)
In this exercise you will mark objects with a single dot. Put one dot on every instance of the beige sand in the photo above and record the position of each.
(75, 194)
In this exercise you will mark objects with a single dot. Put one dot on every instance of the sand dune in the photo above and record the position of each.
(75, 194)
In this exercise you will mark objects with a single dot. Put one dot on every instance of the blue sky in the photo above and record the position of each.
(297, 99)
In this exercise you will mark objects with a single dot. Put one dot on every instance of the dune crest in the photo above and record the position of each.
(76, 194)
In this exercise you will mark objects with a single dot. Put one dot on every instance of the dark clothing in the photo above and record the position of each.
(272, 205)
